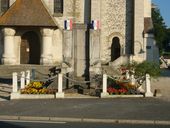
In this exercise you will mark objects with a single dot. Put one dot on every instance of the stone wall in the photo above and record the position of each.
(116, 18)
(111, 22)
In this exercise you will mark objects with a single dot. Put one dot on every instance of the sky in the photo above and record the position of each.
(164, 6)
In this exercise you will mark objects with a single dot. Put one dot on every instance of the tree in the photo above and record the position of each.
(160, 31)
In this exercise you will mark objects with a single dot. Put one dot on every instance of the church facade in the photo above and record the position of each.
(78, 35)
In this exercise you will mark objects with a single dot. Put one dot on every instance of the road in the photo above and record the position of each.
(13, 124)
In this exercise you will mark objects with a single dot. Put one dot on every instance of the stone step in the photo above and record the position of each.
(4, 93)
(5, 88)
(4, 96)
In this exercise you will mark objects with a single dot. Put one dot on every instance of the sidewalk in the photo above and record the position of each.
(131, 109)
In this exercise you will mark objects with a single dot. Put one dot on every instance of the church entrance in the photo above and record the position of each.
(115, 48)
(30, 48)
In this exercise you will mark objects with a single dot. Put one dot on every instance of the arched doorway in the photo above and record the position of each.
(30, 48)
(115, 48)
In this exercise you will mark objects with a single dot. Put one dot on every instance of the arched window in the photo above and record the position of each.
(4, 5)
(58, 6)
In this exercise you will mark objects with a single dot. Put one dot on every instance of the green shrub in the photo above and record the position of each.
(146, 67)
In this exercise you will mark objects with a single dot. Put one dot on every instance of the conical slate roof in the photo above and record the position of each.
(27, 13)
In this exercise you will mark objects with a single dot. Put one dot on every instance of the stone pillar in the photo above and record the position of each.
(60, 93)
(104, 92)
(9, 57)
(148, 92)
(46, 49)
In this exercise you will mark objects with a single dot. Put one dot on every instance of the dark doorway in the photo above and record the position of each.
(30, 48)
(115, 49)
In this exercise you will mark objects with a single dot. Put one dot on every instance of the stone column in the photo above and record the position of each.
(9, 57)
(46, 49)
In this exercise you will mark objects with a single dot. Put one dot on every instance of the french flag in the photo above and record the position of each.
(68, 24)
(95, 24)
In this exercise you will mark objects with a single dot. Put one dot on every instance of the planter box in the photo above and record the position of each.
(32, 96)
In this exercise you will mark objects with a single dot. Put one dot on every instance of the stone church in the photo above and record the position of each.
(101, 32)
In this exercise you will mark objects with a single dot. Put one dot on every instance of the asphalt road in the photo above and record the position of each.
(11, 124)
(130, 108)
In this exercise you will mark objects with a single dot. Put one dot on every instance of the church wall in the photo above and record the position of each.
(95, 9)
(118, 18)
(138, 30)
(147, 8)
(74, 9)
(113, 22)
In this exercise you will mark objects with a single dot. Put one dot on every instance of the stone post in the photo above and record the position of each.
(104, 92)
(28, 76)
(46, 50)
(14, 83)
(148, 92)
(60, 93)
(9, 57)
(22, 80)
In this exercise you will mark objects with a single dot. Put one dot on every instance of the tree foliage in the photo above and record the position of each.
(161, 32)
(159, 28)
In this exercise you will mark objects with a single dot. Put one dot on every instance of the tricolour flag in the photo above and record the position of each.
(68, 24)
(96, 24)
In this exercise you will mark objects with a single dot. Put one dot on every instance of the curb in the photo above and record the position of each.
(83, 120)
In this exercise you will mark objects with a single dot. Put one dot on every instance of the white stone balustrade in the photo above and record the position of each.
(104, 92)
(148, 92)
(24, 80)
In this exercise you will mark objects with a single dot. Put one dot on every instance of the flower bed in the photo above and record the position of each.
(121, 87)
(37, 88)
